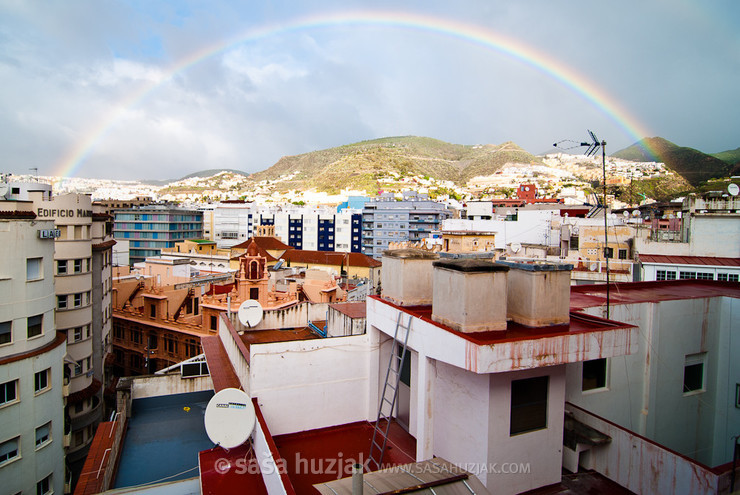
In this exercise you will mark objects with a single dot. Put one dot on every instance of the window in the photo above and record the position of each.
(43, 434)
(609, 252)
(693, 373)
(61, 267)
(78, 266)
(705, 276)
(170, 344)
(194, 369)
(9, 449)
(33, 268)
(61, 302)
(214, 322)
(594, 374)
(573, 242)
(35, 326)
(78, 368)
(77, 334)
(153, 310)
(528, 405)
(6, 332)
(78, 299)
(79, 438)
(41, 380)
(136, 336)
(622, 254)
(665, 275)
(44, 486)
(8, 392)
(687, 276)
(728, 277)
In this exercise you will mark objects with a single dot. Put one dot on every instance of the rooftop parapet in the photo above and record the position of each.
(407, 276)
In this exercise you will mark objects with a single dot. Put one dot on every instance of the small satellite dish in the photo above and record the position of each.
(4, 189)
(592, 267)
(636, 213)
(250, 313)
(733, 189)
(515, 247)
(626, 214)
(229, 418)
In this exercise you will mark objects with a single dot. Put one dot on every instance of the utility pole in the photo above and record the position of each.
(591, 150)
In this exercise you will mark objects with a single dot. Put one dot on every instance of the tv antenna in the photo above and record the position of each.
(591, 149)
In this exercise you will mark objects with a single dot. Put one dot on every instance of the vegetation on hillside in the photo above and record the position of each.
(731, 157)
(693, 165)
(664, 188)
(362, 165)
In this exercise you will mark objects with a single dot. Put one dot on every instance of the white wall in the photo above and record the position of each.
(158, 385)
(308, 384)
(541, 449)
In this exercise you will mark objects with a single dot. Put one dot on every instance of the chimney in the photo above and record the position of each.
(407, 276)
(470, 295)
(538, 293)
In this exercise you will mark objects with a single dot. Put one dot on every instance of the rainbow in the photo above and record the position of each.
(507, 46)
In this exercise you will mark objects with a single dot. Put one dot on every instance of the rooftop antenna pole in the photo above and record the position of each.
(591, 150)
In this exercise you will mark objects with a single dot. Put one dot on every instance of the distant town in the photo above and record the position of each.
(525, 332)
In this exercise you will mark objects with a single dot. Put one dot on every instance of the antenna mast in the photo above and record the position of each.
(591, 150)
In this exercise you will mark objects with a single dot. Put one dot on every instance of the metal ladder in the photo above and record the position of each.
(392, 380)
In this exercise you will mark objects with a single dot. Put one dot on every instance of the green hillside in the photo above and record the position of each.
(731, 157)
(693, 165)
(361, 165)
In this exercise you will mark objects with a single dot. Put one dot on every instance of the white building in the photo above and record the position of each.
(32, 384)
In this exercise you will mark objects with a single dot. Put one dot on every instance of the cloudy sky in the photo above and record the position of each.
(156, 90)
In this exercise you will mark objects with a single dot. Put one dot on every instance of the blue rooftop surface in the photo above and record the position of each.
(163, 439)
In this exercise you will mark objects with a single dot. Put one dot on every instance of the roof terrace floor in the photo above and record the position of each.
(163, 439)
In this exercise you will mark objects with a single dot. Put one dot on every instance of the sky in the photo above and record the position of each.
(146, 89)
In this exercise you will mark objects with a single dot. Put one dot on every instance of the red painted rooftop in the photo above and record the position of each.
(579, 323)
(268, 336)
(313, 456)
(583, 483)
(232, 471)
(352, 309)
(689, 260)
(219, 366)
(586, 296)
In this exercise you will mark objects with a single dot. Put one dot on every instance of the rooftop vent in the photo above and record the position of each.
(407, 276)
(538, 293)
(470, 295)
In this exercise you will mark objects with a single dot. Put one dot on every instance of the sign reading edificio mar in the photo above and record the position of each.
(63, 213)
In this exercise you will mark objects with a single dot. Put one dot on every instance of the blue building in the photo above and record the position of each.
(152, 228)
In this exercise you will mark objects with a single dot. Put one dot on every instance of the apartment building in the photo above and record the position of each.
(386, 220)
(149, 229)
(33, 384)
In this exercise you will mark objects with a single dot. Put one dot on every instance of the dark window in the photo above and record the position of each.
(194, 369)
(693, 373)
(8, 392)
(44, 486)
(594, 374)
(9, 449)
(214, 322)
(153, 310)
(622, 254)
(35, 325)
(528, 404)
(254, 293)
(609, 252)
(43, 433)
(574, 242)
(6, 333)
(405, 366)
(41, 380)
(62, 267)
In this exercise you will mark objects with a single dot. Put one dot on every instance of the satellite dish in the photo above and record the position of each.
(250, 313)
(515, 247)
(592, 267)
(4, 189)
(636, 213)
(626, 214)
(733, 189)
(229, 418)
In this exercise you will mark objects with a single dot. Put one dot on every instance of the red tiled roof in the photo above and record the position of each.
(689, 260)
(265, 242)
(330, 258)
(351, 309)
(219, 366)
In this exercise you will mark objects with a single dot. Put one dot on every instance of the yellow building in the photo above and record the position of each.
(468, 241)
